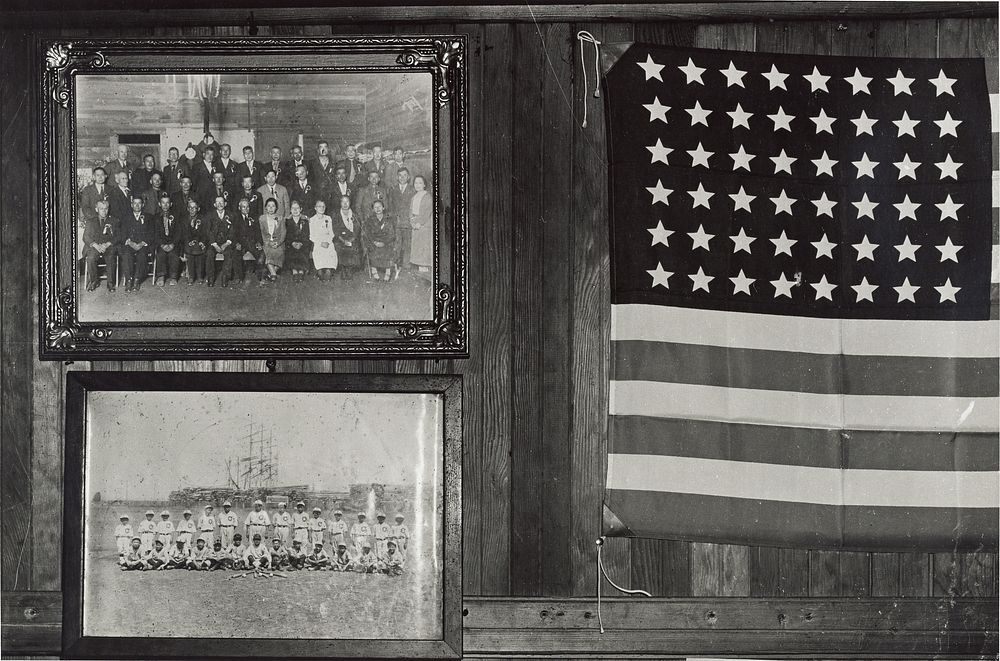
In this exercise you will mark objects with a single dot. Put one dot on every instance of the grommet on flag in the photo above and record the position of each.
(604, 572)
(585, 37)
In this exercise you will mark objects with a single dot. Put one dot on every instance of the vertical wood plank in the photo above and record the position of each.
(735, 571)
(616, 555)
(824, 574)
(885, 574)
(794, 567)
(676, 568)
(765, 571)
(17, 328)
(527, 503)
(946, 576)
(646, 558)
(706, 569)
(473, 459)
(914, 574)
(979, 574)
(556, 235)
(496, 300)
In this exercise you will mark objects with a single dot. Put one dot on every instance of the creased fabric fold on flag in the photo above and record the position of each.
(804, 267)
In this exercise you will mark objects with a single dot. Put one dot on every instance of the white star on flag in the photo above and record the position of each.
(783, 286)
(660, 234)
(906, 167)
(859, 82)
(700, 156)
(698, 114)
(775, 78)
(701, 238)
(742, 200)
(900, 84)
(733, 75)
(740, 117)
(947, 291)
(817, 81)
(783, 203)
(864, 290)
(657, 111)
(866, 166)
(700, 280)
(947, 125)
(948, 167)
(692, 72)
(943, 84)
(783, 245)
(824, 205)
(824, 164)
(865, 207)
(824, 247)
(823, 122)
(741, 283)
(864, 124)
(907, 250)
(660, 276)
(651, 68)
(659, 152)
(906, 291)
(949, 251)
(906, 208)
(866, 249)
(742, 241)
(949, 208)
(659, 193)
(741, 159)
(905, 125)
(700, 197)
(783, 162)
(823, 288)
(782, 120)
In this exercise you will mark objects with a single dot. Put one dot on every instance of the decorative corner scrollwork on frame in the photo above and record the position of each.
(61, 60)
(445, 330)
(64, 331)
(447, 56)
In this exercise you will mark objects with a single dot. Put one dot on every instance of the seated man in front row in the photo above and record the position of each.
(392, 562)
(219, 558)
(132, 560)
(102, 237)
(279, 554)
(199, 559)
(178, 557)
(139, 236)
(168, 243)
(296, 556)
(257, 556)
(319, 560)
(156, 557)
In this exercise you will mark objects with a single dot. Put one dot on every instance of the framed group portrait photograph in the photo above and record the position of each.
(253, 197)
(256, 515)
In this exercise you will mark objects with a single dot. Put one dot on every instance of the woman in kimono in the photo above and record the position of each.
(272, 230)
(380, 241)
(346, 234)
(321, 235)
(421, 208)
(297, 243)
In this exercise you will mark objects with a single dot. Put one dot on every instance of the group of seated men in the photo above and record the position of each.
(360, 547)
(203, 212)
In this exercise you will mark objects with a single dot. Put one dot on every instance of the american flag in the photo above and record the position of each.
(804, 337)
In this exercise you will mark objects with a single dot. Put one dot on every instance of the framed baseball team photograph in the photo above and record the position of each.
(253, 197)
(284, 515)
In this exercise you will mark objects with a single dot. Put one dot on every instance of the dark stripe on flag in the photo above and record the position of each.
(823, 448)
(804, 372)
(763, 523)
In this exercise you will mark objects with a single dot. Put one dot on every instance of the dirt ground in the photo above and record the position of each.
(210, 604)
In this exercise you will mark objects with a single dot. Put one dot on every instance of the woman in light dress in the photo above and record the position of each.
(272, 230)
(324, 251)
(421, 209)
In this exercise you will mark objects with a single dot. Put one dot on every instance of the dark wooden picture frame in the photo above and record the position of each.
(77, 645)
(64, 334)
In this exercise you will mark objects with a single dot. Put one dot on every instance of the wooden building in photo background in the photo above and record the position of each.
(535, 384)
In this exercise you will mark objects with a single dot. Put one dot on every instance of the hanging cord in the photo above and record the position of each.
(604, 572)
(585, 37)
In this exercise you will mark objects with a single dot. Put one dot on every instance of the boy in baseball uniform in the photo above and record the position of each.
(186, 529)
(300, 524)
(165, 530)
(338, 529)
(317, 526)
(283, 524)
(132, 560)
(199, 556)
(123, 535)
(147, 531)
(257, 521)
(206, 526)
(296, 556)
(227, 525)
(318, 559)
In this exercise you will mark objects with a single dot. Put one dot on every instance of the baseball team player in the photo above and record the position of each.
(227, 525)
(283, 525)
(123, 535)
(206, 526)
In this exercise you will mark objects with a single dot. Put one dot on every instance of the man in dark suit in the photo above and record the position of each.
(377, 164)
(93, 193)
(373, 192)
(120, 198)
(151, 196)
(222, 233)
(339, 188)
(400, 196)
(304, 192)
(167, 240)
(249, 255)
(251, 167)
(252, 196)
(218, 189)
(202, 174)
(101, 237)
(122, 164)
(230, 169)
(353, 167)
(272, 188)
(296, 160)
(276, 165)
(141, 177)
(321, 170)
(173, 171)
(181, 200)
(138, 232)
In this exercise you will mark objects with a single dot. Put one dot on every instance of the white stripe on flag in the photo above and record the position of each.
(798, 409)
(995, 189)
(803, 484)
(995, 111)
(995, 268)
(863, 337)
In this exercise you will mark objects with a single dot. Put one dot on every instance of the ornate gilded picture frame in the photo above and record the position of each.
(253, 197)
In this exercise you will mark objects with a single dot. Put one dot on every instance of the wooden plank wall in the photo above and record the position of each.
(535, 401)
